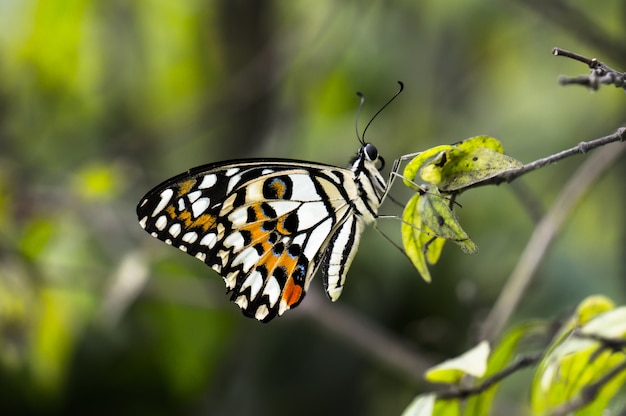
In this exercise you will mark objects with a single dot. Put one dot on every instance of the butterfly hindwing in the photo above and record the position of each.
(264, 226)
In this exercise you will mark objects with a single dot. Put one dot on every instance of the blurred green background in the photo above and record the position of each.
(101, 100)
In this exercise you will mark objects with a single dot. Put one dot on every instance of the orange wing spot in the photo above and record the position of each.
(206, 221)
(279, 188)
(283, 223)
(292, 292)
(184, 187)
(171, 211)
(257, 234)
(288, 262)
(270, 261)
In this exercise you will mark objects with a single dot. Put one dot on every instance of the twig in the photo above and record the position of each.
(589, 393)
(591, 63)
(600, 72)
(545, 232)
(607, 343)
(581, 148)
(464, 393)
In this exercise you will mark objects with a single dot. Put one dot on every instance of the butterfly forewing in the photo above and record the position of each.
(264, 226)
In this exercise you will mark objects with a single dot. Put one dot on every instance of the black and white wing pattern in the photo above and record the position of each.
(267, 225)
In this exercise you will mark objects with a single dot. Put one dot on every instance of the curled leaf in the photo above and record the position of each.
(437, 215)
(427, 223)
(457, 166)
(412, 173)
(419, 242)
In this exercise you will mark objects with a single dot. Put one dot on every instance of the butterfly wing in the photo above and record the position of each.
(263, 225)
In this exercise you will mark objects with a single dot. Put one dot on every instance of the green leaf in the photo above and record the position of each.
(573, 362)
(412, 169)
(457, 166)
(436, 214)
(447, 407)
(591, 307)
(586, 310)
(471, 167)
(419, 242)
(472, 362)
(480, 142)
(610, 324)
(428, 222)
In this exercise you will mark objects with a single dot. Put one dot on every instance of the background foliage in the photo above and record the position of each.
(101, 100)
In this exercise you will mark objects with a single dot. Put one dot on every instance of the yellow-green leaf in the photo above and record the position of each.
(419, 243)
(436, 214)
(573, 362)
(592, 306)
(412, 169)
(447, 407)
(483, 142)
(469, 167)
(453, 167)
(472, 362)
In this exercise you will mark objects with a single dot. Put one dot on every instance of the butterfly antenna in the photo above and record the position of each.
(381, 109)
(358, 114)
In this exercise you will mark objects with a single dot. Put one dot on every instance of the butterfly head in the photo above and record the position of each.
(371, 154)
(367, 166)
(367, 156)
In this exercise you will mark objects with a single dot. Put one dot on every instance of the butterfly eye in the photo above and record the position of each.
(370, 151)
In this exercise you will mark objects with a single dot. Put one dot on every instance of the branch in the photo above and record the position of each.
(589, 393)
(464, 393)
(600, 72)
(612, 344)
(581, 148)
(546, 230)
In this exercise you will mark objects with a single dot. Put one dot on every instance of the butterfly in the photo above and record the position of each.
(267, 225)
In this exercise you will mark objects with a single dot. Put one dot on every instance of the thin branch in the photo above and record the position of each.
(589, 393)
(545, 232)
(591, 63)
(581, 148)
(464, 393)
(600, 72)
(612, 344)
